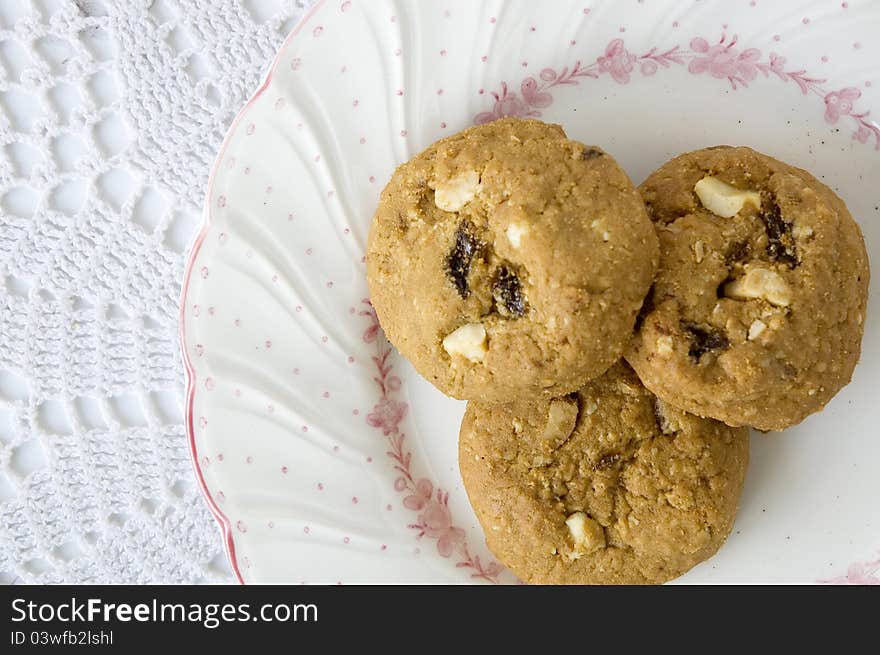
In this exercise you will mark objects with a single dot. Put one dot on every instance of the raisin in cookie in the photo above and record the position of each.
(606, 486)
(757, 312)
(508, 260)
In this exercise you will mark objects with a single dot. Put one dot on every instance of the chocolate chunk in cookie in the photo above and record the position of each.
(705, 340)
(458, 261)
(507, 292)
(780, 242)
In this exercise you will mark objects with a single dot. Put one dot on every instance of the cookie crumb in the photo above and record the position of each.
(515, 232)
(756, 329)
(802, 232)
(664, 346)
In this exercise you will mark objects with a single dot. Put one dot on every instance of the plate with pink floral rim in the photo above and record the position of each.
(323, 455)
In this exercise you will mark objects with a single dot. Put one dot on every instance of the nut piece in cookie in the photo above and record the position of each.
(722, 199)
(628, 491)
(468, 341)
(756, 329)
(453, 194)
(586, 534)
(561, 418)
(756, 314)
(760, 283)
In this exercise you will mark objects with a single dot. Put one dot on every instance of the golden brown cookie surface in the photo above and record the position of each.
(606, 486)
(757, 312)
(508, 261)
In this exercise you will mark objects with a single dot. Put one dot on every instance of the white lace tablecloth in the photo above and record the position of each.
(111, 112)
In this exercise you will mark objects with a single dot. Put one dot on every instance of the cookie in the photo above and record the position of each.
(605, 486)
(507, 261)
(757, 312)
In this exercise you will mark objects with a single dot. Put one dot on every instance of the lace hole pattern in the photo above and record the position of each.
(110, 116)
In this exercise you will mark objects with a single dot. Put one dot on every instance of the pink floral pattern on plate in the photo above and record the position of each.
(722, 60)
(427, 511)
(858, 573)
(434, 518)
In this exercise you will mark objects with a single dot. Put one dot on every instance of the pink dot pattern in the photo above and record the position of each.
(221, 203)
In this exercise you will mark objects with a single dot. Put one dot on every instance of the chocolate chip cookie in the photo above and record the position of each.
(757, 312)
(609, 485)
(507, 261)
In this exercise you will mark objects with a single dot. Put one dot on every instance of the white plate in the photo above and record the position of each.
(322, 453)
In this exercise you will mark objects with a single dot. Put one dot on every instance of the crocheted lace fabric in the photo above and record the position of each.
(111, 112)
